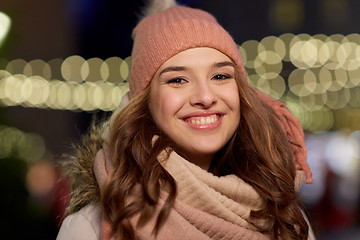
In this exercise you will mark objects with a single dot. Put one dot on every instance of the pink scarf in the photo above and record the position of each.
(207, 206)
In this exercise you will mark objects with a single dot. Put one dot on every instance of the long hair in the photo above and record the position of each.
(259, 153)
(134, 153)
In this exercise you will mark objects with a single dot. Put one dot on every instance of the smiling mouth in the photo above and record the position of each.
(203, 120)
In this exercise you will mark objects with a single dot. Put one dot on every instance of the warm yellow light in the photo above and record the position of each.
(353, 37)
(79, 95)
(268, 64)
(355, 97)
(52, 95)
(319, 121)
(55, 66)
(64, 94)
(86, 105)
(297, 109)
(338, 38)
(37, 67)
(354, 77)
(348, 55)
(3, 76)
(296, 83)
(72, 69)
(340, 79)
(40, 91)
(347, 118)
(313, 102)
(26, 89)
(31, 147)
(15, 143)
(12, 89)
(332, 62)
(125, 68)
(338, 99)
(113, 65)
(273, 44)
(287, 38)
(304, 54)
(117, 94)
(106, 88)
(6, 145)
(251, 48)
(104, 71)
(310, 82)
(278, 87)
(269, 57)
(95, 95)
(16, 66)
(5, 23)
(91, 70)
(324, 53)
(325, 78)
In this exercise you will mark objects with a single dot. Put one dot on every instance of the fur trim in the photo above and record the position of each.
(157, 6)
(78, 170)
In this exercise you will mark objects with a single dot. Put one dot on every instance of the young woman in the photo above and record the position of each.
(195, 152)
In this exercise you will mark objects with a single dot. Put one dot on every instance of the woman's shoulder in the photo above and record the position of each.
(84, 224)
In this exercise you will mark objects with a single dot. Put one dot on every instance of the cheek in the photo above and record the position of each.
(232, 100)
(231, 97)
(165, 104)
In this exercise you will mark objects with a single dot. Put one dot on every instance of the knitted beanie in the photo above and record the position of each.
(160, 36)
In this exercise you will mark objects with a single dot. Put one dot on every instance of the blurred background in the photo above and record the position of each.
(64, 61)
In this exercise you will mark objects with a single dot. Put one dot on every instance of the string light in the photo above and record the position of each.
(319, 72)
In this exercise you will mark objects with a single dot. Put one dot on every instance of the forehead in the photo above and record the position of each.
(196, 57)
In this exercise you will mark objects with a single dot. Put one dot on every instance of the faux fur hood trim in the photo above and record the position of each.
(77, 168)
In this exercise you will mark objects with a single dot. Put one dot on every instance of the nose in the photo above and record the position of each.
(203, 95)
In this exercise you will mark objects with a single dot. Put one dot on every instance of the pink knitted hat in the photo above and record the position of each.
(160, 36)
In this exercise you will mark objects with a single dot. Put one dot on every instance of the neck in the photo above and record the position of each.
(201, 160)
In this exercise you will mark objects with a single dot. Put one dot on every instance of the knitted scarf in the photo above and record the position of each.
(206, 207)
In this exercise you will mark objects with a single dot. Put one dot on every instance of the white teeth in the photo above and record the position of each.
(204, 120)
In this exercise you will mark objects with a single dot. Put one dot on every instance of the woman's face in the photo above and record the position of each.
(194, 100)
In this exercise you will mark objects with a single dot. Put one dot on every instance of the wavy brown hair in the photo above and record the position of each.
(259, 153)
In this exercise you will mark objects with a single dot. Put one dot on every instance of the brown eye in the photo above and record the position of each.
(221, 76)
(176, 81)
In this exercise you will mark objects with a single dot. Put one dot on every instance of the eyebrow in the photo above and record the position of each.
(172, 69)
(224, 64)
(181, 68)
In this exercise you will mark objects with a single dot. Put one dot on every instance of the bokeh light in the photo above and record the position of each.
(5, 23)
(320, 72)
(341, 152)
(15, 143)
(41, 178)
